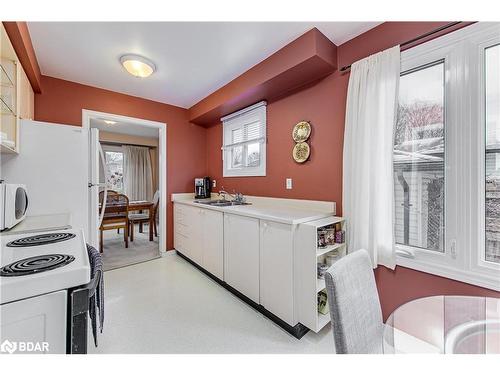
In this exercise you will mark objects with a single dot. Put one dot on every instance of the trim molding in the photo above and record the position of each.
(19, 36)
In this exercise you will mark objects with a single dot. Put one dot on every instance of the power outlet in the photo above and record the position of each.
(289, 183)
(214, 183)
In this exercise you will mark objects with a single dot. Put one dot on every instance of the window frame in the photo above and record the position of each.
(117, 149)
(256, 112)
(462, 52)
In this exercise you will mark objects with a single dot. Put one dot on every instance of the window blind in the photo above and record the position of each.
(245, 127)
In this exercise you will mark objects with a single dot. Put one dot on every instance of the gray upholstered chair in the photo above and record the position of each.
(354, 305)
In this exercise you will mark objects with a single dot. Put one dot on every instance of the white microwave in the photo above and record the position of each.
(13, 204)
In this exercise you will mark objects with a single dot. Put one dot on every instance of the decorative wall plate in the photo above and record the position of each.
(301, 131)
(301, 152)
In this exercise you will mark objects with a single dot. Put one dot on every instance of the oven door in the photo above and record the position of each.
(34, 325)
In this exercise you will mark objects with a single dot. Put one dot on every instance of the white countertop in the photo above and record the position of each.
(286, 211)
(41, 223)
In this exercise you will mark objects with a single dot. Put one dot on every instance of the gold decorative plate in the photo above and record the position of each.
(301, 152)
(301, 131)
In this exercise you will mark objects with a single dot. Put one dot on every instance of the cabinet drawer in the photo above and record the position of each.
(180, 214)
(180, 242)
(181, 228)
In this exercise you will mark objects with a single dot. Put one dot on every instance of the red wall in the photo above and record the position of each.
(62, 102)
(323, 103)
(320, 178)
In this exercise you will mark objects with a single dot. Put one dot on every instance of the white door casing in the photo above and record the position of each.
(87, 115)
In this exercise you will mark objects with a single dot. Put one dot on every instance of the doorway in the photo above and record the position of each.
(128, 160)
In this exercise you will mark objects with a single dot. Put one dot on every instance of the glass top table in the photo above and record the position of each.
(444, 324)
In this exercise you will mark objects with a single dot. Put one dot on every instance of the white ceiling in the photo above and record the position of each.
(193, 59)
(122, 127)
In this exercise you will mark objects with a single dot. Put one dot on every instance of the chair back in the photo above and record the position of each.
(116, 205)
(156, 201)
(354, 305)
(101, 195)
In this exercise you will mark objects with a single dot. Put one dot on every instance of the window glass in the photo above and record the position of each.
(244, 142)
(419, 144)
(492, 117)
(114, 163)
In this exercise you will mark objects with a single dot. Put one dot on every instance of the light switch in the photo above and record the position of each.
(214, 183)
(288, 183)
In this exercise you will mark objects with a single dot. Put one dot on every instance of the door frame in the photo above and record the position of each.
(88, 115)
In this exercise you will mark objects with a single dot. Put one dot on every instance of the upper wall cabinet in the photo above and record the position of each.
(16, 96)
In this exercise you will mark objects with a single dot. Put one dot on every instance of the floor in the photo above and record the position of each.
(115, 255)
(168, 306)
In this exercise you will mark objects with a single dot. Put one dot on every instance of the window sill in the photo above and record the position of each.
(483, 281)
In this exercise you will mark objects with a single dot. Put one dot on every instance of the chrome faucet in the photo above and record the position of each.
(237, 197)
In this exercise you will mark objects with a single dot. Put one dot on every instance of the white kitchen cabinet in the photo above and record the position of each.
(195, 234)
(307, 256)
(198, 234)
(213, 242)
(180, 228)
(241, 254)
(276, 270)
(16, 96)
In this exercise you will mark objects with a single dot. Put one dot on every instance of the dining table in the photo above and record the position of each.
(139, 205)
(444, 325)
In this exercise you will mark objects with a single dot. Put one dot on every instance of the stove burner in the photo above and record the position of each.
(41, 239)
(36, 264)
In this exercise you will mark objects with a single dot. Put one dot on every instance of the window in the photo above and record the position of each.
(244, 142)
(114, 163)
(419, 159)
(447, 157)
(492, 116)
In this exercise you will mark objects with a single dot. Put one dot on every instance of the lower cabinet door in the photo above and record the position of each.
(194, 240)
(38, 322)
(241, 254)
(213, 243)
(276, 273)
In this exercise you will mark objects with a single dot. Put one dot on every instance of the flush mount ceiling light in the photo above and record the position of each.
(138, 66)
(109, 122)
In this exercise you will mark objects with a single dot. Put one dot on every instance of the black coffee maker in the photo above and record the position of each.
(202, 188)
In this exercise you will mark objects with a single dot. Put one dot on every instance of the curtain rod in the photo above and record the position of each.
(111, 143)
(416, 39)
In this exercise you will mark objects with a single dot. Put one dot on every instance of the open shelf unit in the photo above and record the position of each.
(9, 72)
(308, 285)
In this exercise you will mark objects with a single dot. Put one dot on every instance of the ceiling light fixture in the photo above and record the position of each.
(137, 65)
(109, 122)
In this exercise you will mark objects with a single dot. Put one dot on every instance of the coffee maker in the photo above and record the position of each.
(202, 188)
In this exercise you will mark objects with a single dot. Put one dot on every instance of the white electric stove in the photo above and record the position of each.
(38, 276)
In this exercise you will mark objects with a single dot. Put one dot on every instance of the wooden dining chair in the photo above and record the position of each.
(115, 216)
(142, 218)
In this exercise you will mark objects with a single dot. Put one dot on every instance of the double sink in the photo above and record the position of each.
(221, 203)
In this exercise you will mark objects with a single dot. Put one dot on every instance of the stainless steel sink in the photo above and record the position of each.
(222, 203)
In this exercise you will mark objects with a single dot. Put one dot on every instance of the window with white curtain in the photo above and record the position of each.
(244, 142)
(447, 157)
(114, 162)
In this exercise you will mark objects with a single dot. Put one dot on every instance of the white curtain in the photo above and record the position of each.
(137, 173)
(368, 184)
